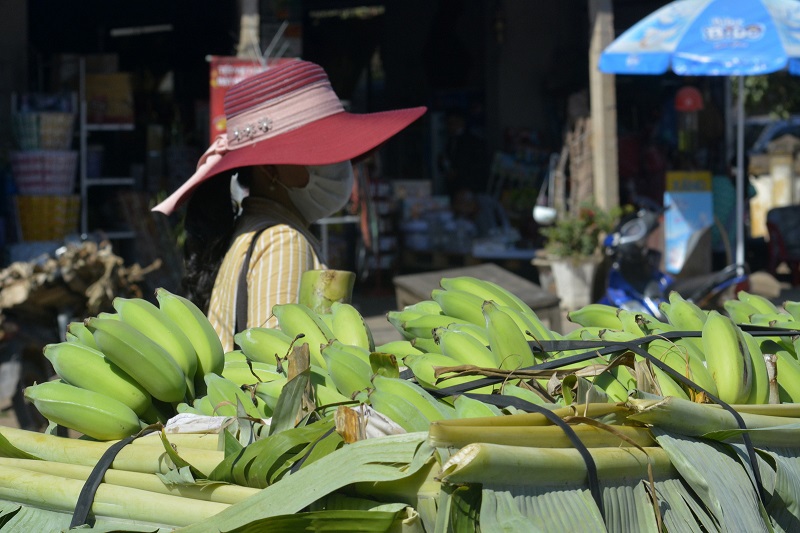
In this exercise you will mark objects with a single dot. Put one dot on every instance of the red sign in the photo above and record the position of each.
(225, 72)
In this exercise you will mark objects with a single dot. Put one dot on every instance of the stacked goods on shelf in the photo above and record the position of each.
(44, 171)
(480, 419)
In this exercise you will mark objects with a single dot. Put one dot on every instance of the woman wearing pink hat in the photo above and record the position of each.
(290, 142)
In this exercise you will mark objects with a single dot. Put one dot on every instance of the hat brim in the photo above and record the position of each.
(333, 139)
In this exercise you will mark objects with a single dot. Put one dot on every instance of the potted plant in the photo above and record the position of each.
(573, 249)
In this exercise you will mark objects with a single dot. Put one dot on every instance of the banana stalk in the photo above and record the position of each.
(320, 288)
(495, 463)
(111, 501)
(218, 493)
(147, 459)
(445, 435)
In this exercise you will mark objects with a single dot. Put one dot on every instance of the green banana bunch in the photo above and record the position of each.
(249, 373)
(683, 361)
(224, 396)
(523, 393)
(349, 326)
(465, 348)
(399, 318)
(87, 368)
(506, 340)
(297, 319)
(486, 290)
(424, 365)
(462, 305)
(95, 415)
(787, 371)
(739, 311)
(265, 345)
(347, 367)
(426, 345)
(727, 358)
(595, 314)
(197, 328)
(667, 385)
(398, 348)
(151, 321)
(759, 391)
(761, 303)
(139, 357)
(478, 331)
(399, 410)
(685, 314)
(431, 408)
(422, 327)
(466, 407)
(616, 381)
(77, 332)
(793, 308)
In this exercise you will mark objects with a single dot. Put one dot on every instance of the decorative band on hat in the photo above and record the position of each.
(273, 83)
(275, 118)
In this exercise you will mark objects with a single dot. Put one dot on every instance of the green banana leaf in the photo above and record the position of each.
(259, 464)
(379, 459)
(290, 403)
(715, 473)
(780, 474)
(680, 509)
(16, 517)
(321, 521)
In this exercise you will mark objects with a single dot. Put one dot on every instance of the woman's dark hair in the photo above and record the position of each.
(209, 224)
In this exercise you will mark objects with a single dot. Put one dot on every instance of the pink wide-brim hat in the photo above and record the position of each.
(289, 115)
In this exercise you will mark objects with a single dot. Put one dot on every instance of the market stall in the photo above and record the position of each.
(482, 417)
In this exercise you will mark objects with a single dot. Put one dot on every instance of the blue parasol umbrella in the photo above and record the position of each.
(713, 38)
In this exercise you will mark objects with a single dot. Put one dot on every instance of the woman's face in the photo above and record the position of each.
(293, 176)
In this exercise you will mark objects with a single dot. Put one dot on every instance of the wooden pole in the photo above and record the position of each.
(603, 107)
(249, 46)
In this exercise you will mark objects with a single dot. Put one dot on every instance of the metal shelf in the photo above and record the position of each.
(91, 182)
(109, 127)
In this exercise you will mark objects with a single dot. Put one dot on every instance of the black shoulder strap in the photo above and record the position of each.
(241, 284)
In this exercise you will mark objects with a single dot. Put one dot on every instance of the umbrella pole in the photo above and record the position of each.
(740, 170)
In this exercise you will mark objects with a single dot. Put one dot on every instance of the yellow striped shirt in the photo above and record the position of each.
(282, 253)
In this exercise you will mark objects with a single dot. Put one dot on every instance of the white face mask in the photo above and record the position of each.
(328, 190)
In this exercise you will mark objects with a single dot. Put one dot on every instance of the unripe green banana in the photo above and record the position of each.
(423, 307)
(160, 328)
(616, 381)
(423, 366)
(265, 345)
(349, 326)
(95, 415)
(668, 386)
(399, 318)
(465, 348)
(594, 314)
(739, 311)
(224, 395)
(759, 391)
(779, 320)
(399, 348)
(479, 332)
(683, 361)
(348, 370)
(426, 345)
(727, 358)
(463, 305)
(399, 410)
(295, 319)
(685, 314)
(761, 303)
(248, 373)
(506, 340)
(522, 393)
(485, 290)
(429, 406)
(793, 308)
(141, 358)
(787, 370)
(81, 334)
(423, 326)
(87, 368)
(632, 322)
(234, 356)
(467, 407)
(197, 328)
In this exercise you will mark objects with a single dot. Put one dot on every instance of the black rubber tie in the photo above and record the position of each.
(86, 497)
(591, 467)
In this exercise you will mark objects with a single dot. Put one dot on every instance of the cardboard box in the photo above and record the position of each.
(109, 98)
